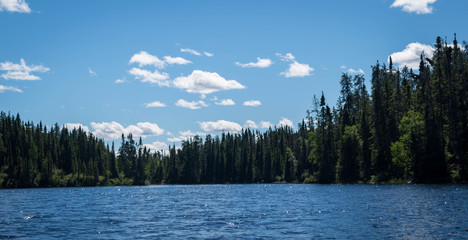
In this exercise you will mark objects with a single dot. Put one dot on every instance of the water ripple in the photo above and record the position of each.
(237, 211)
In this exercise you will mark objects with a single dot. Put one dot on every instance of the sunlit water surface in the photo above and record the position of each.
(276, 211)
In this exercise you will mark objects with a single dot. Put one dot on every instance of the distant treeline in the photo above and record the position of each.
(411, 127)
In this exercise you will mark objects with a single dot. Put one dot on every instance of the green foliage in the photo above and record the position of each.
(407, 151)
(348, 169)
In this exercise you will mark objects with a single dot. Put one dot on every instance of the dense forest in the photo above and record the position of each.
(410, 126)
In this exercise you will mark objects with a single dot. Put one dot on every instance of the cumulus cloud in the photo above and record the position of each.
(295, 69)
(154, 104)
(261, 63)
(9, 88)
(208, 54)
(220, 125)
(143, 58)
(359, 71)
(416, 6)
(14, 6)
(185, 135)
(252, 103)
(225, 102)
(250, 124)
(298, 70)
(205, 83)
(285, 122)
(113, 130)
(191, 51)
(91, 72)
(71, 126)
(190, 105)
(410, 56)
(176, 60)
(157, 146)
(160, 79)
(21, 71)
(265, 124)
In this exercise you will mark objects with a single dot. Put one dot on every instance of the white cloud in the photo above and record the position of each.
(250, 124)
(359, 71)
(220, 125)
(205, 83)
(120, 80)
(91, 72)
(285, 122)
(261, 63)
(185, 135)
(252, 103)
(113, 130)
(343, 67)
(282, 123)
(151, 77)
(191, 51)
(208, 54)
(298, 70)
(265, 124)
(226, 102)
(143, 58)
(176, 60)
(71, 126)
(154, 104)
(14, 6)
(295, 69)
(9, 88)
(287, 58)
(190, 105)
(157, 146)
(9, 66)
(21, 71)
(416, 6)
(17, 75)
(410, 56)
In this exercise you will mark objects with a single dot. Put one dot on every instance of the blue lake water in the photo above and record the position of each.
(272, 211)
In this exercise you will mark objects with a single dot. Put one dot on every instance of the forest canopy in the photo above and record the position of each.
(409, 126)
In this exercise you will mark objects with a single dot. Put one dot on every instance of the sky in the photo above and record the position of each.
(168, 70)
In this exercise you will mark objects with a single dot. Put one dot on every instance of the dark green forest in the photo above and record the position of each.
(407, 127)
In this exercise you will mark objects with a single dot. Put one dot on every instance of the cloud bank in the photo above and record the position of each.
(113, 130)
(220, 125)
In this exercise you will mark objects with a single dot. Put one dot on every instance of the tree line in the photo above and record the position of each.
(410, 126)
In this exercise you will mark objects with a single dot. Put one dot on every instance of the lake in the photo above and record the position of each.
(254, 211)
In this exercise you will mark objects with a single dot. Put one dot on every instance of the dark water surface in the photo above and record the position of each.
(277, 211)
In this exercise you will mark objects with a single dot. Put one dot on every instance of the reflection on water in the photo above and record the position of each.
(237, 211)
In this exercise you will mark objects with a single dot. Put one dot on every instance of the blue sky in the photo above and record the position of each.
(166, 70)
